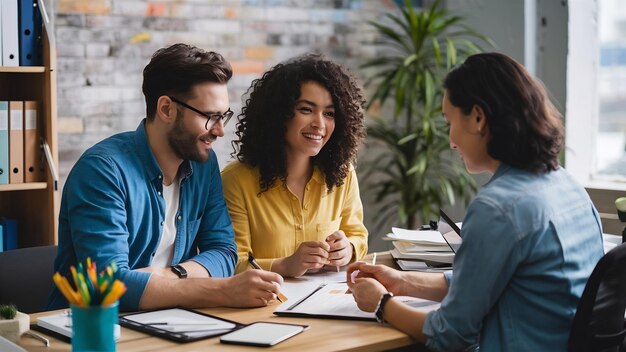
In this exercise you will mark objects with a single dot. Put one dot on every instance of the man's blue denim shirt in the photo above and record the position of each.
(112, 209)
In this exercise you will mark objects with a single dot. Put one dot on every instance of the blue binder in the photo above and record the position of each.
(30, 28)
(4, 142)
(9, 231)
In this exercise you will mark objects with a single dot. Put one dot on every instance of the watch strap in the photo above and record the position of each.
(381, 306)
(180, 271)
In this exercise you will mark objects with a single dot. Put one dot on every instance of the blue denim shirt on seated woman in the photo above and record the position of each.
(530, 241)
(112, 210)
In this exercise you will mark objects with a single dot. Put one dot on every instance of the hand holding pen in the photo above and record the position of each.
(281, 298)
(393, 280)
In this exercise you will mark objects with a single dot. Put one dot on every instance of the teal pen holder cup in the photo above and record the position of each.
(93, 327)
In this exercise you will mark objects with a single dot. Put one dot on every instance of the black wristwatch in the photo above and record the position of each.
(179, 270)
(381, 305)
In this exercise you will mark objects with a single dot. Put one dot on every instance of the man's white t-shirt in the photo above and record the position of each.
(165, 250)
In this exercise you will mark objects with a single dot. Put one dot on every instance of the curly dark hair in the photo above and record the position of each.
(174, 70)
(526, 129)
(270, 104)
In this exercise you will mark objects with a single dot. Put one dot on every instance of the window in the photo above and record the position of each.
(596, 90)
(611, 129)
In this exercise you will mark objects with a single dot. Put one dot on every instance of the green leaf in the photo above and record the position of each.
(436, 50)
(408, 138)
(413, 172)
(451, 54)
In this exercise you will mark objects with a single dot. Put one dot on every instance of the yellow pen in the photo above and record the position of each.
(73, 270)
(57, 280)
(65, 288)
(117, 290)
(84, 291)
(68, 288)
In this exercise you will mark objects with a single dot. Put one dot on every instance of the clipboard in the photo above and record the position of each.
(179, 324)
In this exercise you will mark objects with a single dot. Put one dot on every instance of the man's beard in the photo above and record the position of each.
(185, 144)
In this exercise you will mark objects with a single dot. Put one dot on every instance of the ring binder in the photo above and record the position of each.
(53, 170)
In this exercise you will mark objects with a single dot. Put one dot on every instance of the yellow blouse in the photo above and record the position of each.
(273, 224)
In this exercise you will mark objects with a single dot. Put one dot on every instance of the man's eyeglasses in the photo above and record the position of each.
(211, 118)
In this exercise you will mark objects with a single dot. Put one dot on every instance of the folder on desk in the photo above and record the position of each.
(331, 300)
(16, 142)
(10, 35)
(4, 142)
(32, 152)
(30, 26)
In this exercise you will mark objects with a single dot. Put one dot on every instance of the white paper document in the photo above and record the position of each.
(431, 257)
(424, 237)
(412, 265)
(409, 247)
(325, 275)
(181, 321)
(331, 300)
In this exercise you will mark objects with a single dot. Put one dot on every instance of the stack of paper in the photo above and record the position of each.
(412, 248)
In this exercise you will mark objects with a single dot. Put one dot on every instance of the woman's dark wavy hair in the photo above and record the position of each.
(526, 130)
(270, 104)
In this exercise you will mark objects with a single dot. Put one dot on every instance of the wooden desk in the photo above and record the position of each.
(323, 335)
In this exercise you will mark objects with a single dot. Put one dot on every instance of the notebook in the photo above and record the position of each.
(60, 326)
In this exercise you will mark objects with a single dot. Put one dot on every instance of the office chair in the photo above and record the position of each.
(26, 277)
(599, 321)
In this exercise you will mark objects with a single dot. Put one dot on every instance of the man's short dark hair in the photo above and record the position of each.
(176, 69)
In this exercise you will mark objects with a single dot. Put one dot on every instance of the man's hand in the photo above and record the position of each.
(252, 288)
(340, 249)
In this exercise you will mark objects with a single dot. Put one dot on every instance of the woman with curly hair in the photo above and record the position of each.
(293, 194)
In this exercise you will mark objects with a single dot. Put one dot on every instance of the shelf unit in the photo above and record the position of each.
(35, 205)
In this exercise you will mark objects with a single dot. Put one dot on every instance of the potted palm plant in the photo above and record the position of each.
(413, 173)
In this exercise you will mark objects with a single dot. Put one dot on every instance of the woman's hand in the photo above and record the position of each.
(391, 279)
(367, 293)
(311, 255)
(341, 249)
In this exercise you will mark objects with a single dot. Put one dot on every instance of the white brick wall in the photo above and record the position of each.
(103, 47)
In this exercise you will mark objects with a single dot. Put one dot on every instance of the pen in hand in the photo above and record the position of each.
(281, 298)
(356, 272)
